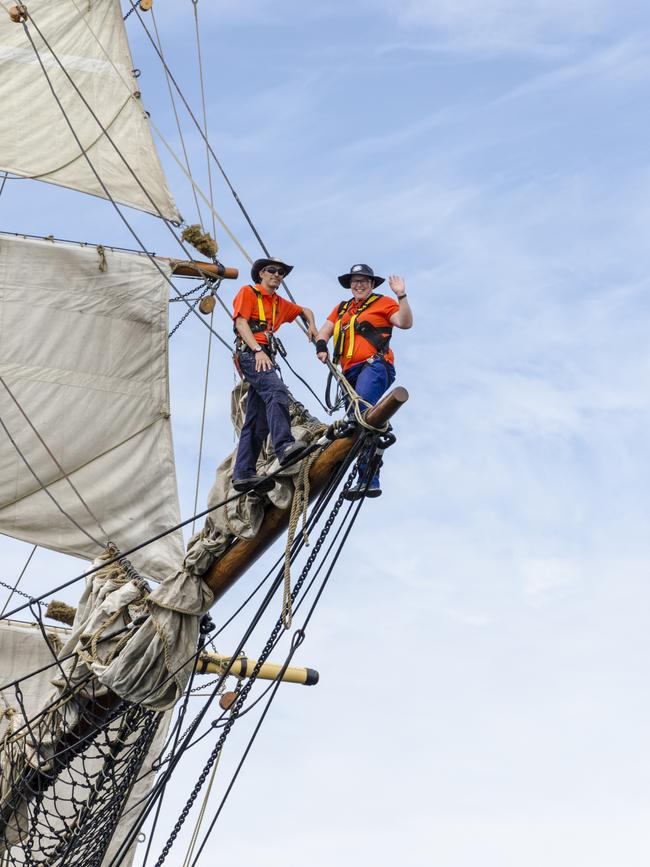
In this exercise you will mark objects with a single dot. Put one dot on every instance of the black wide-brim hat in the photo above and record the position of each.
(360, 271)
(260, 264)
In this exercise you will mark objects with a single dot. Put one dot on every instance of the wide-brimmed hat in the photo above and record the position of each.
(260, 264)
(360, 271)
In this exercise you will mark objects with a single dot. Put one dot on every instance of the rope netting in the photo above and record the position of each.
(66, 775)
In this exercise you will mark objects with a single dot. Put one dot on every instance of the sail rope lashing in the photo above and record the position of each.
(14, 588)
(107, 193)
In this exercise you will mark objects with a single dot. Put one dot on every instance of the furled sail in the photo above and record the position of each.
(84, 397)
(89, 39)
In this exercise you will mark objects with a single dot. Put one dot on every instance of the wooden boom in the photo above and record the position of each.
(215, 663)
(195, 268)
(244, 552)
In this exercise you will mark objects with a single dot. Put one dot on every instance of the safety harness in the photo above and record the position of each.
(377, 337)
(260, 323)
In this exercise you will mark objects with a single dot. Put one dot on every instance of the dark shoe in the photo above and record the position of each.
(292, 453)
(259, 484)
(361, 490)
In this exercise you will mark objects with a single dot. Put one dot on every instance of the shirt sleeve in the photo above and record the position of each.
(243, 303)
(334, 315)
(290, 311)
(389, 307)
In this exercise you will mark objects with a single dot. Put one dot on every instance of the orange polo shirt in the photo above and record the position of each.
(277, 309)
(378, 314)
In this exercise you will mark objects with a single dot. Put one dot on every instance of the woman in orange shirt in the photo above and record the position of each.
(362, 328)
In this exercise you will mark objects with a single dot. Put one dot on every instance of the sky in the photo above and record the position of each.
(481, 644)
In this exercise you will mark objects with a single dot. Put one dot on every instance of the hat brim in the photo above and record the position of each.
(260, 264)
(346, 279)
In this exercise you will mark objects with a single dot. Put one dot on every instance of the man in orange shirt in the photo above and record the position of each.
(362, 328)
(258, 312)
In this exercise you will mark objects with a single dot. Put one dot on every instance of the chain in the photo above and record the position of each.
(189, 310)
(18, 592)
(189, 292)
(299, 637)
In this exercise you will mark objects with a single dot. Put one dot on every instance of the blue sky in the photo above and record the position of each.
(483, 644)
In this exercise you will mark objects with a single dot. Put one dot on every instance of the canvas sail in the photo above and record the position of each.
(89, 39)
(84, 353)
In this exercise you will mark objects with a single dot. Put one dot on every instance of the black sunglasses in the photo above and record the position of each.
(278, 271)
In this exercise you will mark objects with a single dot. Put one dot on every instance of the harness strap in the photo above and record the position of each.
(378, 338)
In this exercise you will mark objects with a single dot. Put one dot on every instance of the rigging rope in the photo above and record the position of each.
(195, 3)
(203, 412)
(14, 589)
(178, 121)
(130, 228)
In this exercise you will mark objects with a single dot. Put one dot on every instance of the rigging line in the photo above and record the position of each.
(46, 491)
(187, 738)
(195, 187)
(15, 587)
(195, 3)
(297, 640)
(118, 557)
(198, 126)
(130, 228)
(205, 402)
(4, 181)
(200, 192)
(178, 122)
(49, 451)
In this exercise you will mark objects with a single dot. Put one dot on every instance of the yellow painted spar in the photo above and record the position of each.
(242, 666)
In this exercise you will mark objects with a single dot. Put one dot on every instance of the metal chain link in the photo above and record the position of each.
(18, 592)
(270, 644)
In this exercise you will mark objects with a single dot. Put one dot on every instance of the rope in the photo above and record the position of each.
(203, 412)
(64, 474)
(130, 228)
(45, 490)
(178, 121)
(14, 589)
(205, 115)
(4, 181)
(202, 812)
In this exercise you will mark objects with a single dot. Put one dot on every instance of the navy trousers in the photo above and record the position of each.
(370, 380)
(267, 411)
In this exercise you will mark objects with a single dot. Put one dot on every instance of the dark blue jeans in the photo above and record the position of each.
(267, 411)
(370, 379)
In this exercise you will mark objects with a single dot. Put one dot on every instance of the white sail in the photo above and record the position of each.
(89, 39)
(84, 353)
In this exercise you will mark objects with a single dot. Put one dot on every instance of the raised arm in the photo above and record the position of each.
(311, 323)
(403, 318)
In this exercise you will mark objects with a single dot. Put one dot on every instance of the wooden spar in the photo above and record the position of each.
(195, 268)
(244, 552)
(216, 663)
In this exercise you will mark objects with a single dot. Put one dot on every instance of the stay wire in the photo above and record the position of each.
(203, 412)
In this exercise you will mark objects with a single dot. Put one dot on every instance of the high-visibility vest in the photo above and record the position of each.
(377, 337)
